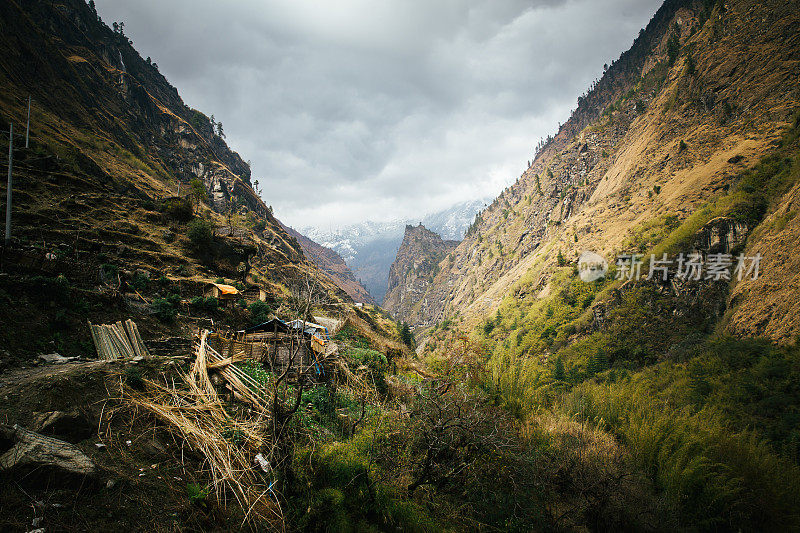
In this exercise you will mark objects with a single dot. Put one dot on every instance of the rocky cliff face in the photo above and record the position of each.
(333, 266)
(413, 271)
(703, 93)
(369, 248)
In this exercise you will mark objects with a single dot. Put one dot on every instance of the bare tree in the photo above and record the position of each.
(232, 215)
(452, 429)
(306, 294)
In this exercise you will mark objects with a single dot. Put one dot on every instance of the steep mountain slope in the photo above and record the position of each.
(706, 89)
(413, 270)
(686, 152)
(111, 143)
(333, 266)
(368, 248)
(452, 223)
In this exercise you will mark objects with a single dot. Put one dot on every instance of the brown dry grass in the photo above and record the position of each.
(192, 412)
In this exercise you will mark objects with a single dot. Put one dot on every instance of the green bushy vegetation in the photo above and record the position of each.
(407, 338)
(201, 234)
(351, 336)
(198, 303)
(166, 309)
(711, 421)
(375, 362)
(339, 490)
(718, 434)
(178, 209)
(259, 312)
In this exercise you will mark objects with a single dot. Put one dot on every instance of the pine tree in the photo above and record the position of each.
(199, 193)
(558, 371)
(406, 336)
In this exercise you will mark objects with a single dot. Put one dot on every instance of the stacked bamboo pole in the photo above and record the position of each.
(119, 340)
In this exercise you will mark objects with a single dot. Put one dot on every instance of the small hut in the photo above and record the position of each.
(254, 294)
(225, 294)
(277, 340)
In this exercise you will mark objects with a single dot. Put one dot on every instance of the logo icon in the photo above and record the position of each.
(592, 266)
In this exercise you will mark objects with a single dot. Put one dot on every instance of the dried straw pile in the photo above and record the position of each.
(195, 414)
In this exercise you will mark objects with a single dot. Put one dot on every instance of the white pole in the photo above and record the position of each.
(8, 191)
(28, 128)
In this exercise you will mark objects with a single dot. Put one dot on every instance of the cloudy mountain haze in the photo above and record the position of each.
(353, 111)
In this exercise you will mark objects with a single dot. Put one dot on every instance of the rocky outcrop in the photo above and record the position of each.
(413, 271)
(32, 454)
(722, 235)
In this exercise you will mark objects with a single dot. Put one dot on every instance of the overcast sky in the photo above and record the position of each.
(381, 109)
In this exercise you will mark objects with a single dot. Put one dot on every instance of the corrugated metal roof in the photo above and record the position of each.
(270, 325)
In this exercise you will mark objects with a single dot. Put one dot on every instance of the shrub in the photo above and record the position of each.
(406, 336)
(199, 303)
(673, 47)
(351, 336)
(166, 309)
(376, 363)
(259, 312)
(179, 209)
(201, 234)
(691, 69)
(139, 281)
(109, 270)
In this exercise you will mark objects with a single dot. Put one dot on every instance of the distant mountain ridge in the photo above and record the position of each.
(369, 248)
(332, 264)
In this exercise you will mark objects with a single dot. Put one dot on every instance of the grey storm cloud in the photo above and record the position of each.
(381, 109)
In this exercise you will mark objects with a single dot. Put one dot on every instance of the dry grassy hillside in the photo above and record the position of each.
(111, 143)
(712, 95)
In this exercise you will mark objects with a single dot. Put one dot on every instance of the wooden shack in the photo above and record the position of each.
(301, 346)
(254, 294)
(225, 294)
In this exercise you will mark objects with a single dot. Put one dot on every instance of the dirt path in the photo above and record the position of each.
(13, 379)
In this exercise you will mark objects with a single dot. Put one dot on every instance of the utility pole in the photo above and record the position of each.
(8, 191)
(28, 128)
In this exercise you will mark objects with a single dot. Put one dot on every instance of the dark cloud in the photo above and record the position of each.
(381, 109)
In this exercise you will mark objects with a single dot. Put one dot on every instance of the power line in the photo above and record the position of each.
(10, 184)
(28, 128)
